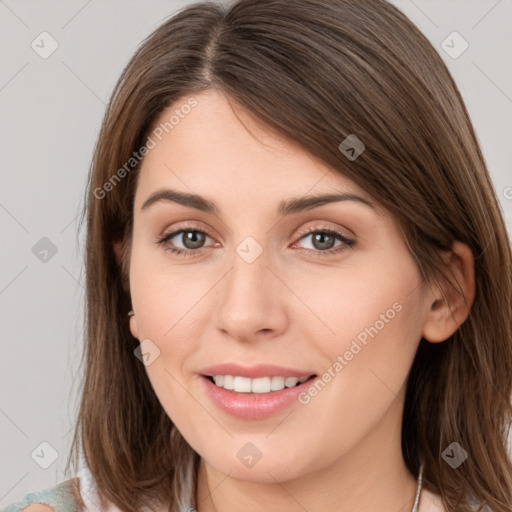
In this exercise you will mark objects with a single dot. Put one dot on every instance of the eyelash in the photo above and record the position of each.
(187, 253)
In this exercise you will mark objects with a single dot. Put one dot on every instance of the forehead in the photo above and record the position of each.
(216, 149)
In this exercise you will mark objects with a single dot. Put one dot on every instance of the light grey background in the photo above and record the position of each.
(51, 110)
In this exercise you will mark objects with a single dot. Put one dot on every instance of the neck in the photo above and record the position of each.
(372, 476)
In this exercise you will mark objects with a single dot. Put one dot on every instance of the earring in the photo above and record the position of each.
(131, 313)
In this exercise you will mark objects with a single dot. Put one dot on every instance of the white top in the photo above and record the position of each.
(428, 501)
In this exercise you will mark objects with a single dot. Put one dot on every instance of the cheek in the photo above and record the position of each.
(163, 300)
(367, 330)
(343, 302)
(162, 294)
(365, 370)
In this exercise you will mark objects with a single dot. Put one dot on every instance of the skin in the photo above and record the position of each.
(292, 306)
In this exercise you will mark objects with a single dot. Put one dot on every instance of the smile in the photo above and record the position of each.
(259, 385)
(255, 405)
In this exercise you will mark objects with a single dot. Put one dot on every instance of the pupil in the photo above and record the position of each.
(193, 239)
(320, 237)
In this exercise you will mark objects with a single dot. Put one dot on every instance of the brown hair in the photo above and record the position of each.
(316, 71)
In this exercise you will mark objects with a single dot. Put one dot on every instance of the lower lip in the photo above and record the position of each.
(253, 406)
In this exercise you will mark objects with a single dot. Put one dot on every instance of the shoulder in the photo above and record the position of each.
(430, 502)
(64, 497)
(38, 507)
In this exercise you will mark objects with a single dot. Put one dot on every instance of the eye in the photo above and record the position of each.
(193, 240)
(323, 240)
(191, 237)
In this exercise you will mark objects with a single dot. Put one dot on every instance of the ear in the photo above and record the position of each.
(133, 327)
(449, 307)
(118, 251)
(118, 246)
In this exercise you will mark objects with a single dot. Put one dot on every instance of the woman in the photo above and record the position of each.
(298, 275)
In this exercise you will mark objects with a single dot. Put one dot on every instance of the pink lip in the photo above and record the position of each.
(253, 372)
(253, 406)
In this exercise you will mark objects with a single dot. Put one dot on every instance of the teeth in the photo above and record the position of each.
(228, 381)
(291, 381)
(219, 380)
(242, 385)
(258, 385)
(277, 383)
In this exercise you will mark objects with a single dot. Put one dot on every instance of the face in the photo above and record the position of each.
(328, 293)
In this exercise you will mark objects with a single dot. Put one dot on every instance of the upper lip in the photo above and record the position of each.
(253, 372)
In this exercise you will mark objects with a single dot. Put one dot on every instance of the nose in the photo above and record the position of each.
(251, 301)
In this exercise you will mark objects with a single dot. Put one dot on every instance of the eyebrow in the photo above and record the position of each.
(287, 207)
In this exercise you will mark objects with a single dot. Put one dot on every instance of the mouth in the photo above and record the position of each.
(255, 392)
(260, 385)
(255, 398)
